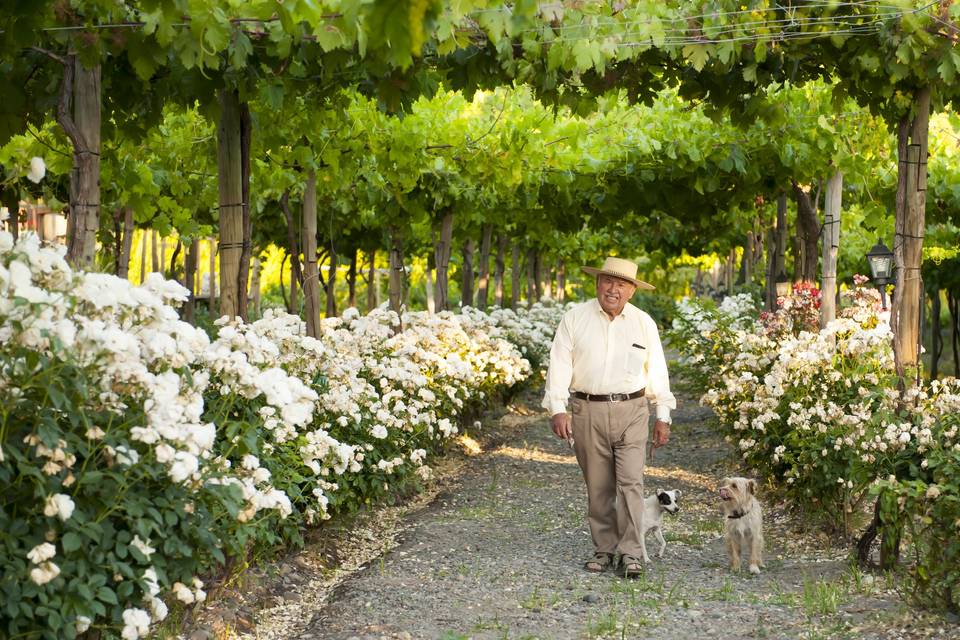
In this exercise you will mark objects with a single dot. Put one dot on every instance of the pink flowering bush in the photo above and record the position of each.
(796, 312)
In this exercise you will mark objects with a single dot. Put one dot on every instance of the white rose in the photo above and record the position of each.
(59, 505)
(44, 573)
(38, 169)
(42, 553)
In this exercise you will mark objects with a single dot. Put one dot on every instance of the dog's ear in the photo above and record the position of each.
(752, 486)
(663, 497)
(679, 493)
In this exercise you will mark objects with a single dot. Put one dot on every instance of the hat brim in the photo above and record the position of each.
(639, 284)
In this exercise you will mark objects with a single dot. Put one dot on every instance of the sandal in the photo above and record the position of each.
(631, 567)
(599, 562)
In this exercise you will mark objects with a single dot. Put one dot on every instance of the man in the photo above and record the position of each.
(608, 361)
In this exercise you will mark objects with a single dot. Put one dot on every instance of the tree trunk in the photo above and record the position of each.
(256, 270)
(377, 288)
(729, 271)
(831, 248)
(808, 235)
(466, 281)
(212, 268)
(396, 274)
(908, 238)
(515, 272)
(163, 256)
(231, 190)
(936, 348)
(777, 251)
(243, 274)
(293, 250)
(311, 273)
(442, 250)
(484, 280)
(531, 276)
(126, 243)
(499, 268)
(331, 284)
(561, 280)
(155, 264)
(746, 262)
(189, 275)
(953, 304)
(172, 267)
(293, 304)
(143, 255)
(372, 282)
(544, 279)
(352, 280)
(78, 113)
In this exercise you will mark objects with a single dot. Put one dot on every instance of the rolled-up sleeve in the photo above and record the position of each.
(560, 369)
(658, 380)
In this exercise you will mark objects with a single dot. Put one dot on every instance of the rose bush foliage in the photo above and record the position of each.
(137, 453)
(820, 412)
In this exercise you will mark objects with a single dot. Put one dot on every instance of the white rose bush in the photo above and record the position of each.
(137, 453)
(819, 411)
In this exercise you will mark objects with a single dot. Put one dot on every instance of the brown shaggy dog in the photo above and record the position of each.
(743, 520)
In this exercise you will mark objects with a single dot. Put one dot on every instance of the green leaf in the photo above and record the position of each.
(329, 37)
(948, 67)
(106, 594)
(760, 51)
(697, 55)
(582, 55)
(71, 542)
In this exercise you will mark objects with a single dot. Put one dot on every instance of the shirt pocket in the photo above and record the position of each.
(636, 360)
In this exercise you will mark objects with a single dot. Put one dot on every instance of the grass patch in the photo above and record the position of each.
(726, 593)
(611, 625)
(690, 539)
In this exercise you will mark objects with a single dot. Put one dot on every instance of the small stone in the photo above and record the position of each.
(591, 598)
(201, 634)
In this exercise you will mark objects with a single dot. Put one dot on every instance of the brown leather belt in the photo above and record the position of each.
(607, 397)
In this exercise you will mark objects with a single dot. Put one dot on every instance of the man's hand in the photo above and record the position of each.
(661, 433)
(661, 436)
(561, 425)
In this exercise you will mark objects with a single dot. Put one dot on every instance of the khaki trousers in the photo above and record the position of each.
(610, 441)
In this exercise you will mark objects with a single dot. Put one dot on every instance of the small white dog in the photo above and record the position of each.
(743, 521)
(653, 509)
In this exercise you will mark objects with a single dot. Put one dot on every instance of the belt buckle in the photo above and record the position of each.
(618, 397)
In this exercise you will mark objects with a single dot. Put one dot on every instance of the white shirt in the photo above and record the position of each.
(594, 354)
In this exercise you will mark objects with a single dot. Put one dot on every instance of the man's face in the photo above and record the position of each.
(614, 293)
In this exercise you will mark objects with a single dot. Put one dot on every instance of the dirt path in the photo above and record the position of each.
(499, 555)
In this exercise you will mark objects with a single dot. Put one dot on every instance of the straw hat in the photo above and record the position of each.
(620, 268)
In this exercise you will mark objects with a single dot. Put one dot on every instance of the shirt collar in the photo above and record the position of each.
(628, 310)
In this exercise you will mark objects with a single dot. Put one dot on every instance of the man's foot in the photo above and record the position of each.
(599, 562)
(631, 567)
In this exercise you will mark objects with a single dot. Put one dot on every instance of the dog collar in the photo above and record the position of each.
(738, 514)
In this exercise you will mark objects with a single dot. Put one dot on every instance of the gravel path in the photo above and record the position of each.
(498, 552)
